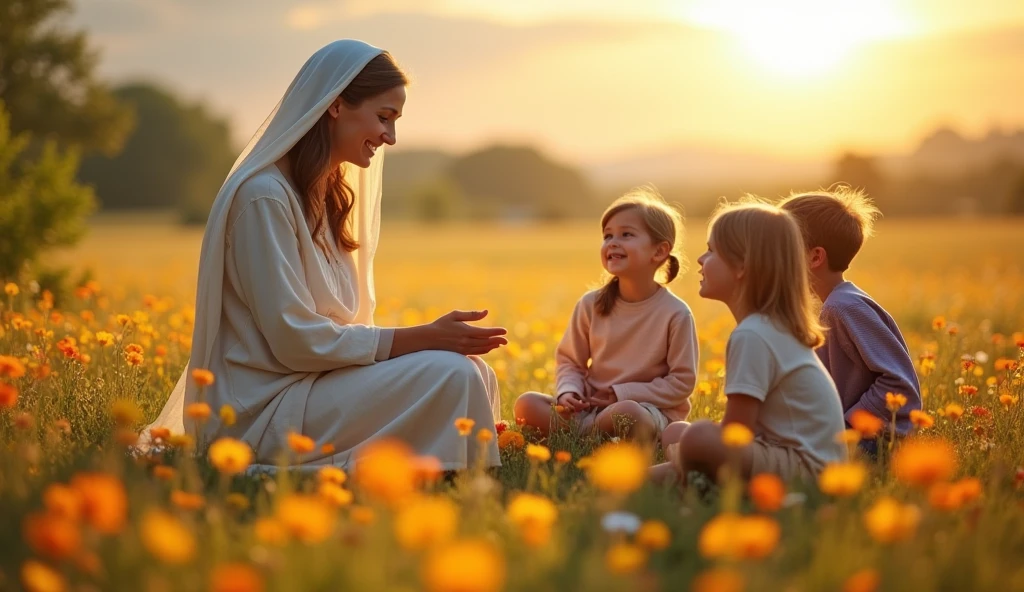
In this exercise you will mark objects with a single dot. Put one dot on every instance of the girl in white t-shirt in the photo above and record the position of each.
(775, 385)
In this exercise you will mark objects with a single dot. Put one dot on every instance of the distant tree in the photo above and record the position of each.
(47, 79)
(41, 205)
(860, 172)
(177, 157)
(514, 180)
(1016, 198)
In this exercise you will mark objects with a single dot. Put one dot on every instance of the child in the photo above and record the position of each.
(864, 350)
(774, 384)
(627, 362)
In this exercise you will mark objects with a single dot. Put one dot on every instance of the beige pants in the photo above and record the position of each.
(787, 463)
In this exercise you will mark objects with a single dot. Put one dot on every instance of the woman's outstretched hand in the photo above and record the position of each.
(450, 333)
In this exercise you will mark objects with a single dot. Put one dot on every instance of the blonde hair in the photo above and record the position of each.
(766, 243)
(837, 220)
(662, 222)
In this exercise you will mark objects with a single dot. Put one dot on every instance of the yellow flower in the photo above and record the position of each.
(332, 475)
(766, 491)
(270, 531)
(953, 411)
(842, 479)
(848, 437)
(1007, 400)
(736, 435)
(654, 535)
(104, 339)
(920, 419)
(235, 577)
(202, 377)
(922, 462)
(134, 359)
(511, 440)
(237, 501)
(334, 494)
(534, 516)
(230, 456)
(104, 502)
(187, 501)
(624, 558)
(300, 444)
(198, 411)
(865, 422)
(227, 415)
(426, 522)
(718, 579)
(464, 425)
(938, 323)
(362, 515)
(386, 469)
(889, 521)
(123, 319)
(39, 577)
(11, 289)
(306, 518)
(167, 538)
(731, 536)
(865, 580)
(125, 412)
(484, 436)
(183, 441)
(471, 565)
(894, 402)
(618, 468)
(538, 453)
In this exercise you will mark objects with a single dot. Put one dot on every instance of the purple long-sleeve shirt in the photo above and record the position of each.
(866, 355)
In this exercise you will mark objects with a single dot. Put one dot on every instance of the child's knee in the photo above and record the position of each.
(528, 405)
(699, 437)
(672, 433)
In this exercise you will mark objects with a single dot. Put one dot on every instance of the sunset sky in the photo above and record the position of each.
(602, 79)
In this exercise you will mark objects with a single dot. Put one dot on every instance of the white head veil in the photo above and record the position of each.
(320, 81)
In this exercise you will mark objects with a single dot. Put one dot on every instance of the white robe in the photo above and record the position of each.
(287, 362)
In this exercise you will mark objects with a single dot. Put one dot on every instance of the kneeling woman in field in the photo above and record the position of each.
(774, 383)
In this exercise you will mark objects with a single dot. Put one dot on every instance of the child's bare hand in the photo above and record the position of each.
(602, 398)
(572, 402)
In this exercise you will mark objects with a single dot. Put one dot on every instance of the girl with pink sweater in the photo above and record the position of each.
(627, 363)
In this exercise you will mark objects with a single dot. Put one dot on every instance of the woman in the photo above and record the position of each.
(284, 311)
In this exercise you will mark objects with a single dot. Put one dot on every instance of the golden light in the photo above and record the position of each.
(800, 37)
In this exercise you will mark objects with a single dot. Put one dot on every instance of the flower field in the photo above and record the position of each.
(81, 373)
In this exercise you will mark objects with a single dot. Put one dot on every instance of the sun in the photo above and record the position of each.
(800, 37)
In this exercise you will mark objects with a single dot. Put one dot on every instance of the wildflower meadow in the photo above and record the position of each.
(82, 371)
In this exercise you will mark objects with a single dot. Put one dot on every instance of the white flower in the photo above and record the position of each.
(980, 357)
(626, 522)
(959, 381)
(793, 499)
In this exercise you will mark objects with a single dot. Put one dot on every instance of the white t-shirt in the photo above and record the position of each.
(800, 405)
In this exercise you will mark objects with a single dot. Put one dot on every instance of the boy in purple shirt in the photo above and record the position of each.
(864, 351)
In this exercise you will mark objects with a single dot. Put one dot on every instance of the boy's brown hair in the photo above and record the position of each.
(837, 220)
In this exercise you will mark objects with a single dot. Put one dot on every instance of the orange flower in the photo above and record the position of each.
(484, 436)
(306, 518)
(63, 501)
(327, 449)
(533, 515)
(11, 367)
(624, 558)
(1005, 400)
(104, 501)
(953, 496)
(164, 472)
(426, 522)
(731, 536)
(889, 521)
(227, 415)
(134, 359)
(187, 501)
(968, 390)
(334, 495)
(894, 402)
(842, 479)
(865, 580)
(563, 456)
(654, 535)
(332, 475)
(235, 577)
(736, 435)
(953, 411)
(51, 535)
(230, 456)
(202, 377)
(386, 469)
(718, 579)
(160, 433)
(511, 440)
(922, 462)
(767, 491)
(39, 577)
(198, 411)
(464, 425)
(300, 444)
(921, 420)
(939, 323)
(11, 289)
(618, 468)
(125, 412)
(866, 423)
(473, 565)
(8, 396)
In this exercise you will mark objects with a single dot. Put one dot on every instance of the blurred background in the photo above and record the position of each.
(546, 110)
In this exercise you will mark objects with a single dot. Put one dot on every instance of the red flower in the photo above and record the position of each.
(500, 427)
(980, 412)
